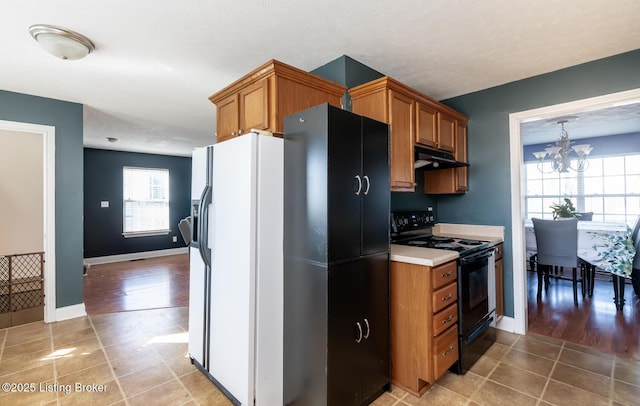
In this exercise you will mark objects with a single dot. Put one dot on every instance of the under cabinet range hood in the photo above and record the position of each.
(429, 159)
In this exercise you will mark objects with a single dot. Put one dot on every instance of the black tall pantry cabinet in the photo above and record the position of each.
(336, 258)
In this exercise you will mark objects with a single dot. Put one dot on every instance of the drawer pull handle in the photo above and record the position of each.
(448, 319)
(449, 351)
(448, 274)
(449, 296)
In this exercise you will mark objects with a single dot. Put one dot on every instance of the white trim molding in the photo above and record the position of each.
(70, 312)
(135, 255)
(507, 324)
(49, 227)
(520, 323)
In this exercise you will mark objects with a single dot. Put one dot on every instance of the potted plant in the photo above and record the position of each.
(564, 210)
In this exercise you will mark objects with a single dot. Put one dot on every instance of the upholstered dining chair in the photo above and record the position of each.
(557, 242)
(585, 216)
(636, 229)
(635, 273)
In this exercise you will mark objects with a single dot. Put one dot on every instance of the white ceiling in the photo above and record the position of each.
(604, 121)
(156, 62)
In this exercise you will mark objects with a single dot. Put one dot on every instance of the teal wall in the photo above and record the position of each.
(103, 182)
(67, 119)
(489, 198)
(347, 71)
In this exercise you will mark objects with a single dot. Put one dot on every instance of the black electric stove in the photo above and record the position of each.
(413, 228)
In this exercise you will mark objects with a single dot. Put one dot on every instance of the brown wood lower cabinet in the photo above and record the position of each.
(424, 324)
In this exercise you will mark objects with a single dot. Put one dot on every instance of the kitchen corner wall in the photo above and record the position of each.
(103, 182)
(350, 73)
(488, 200)
(66, 117)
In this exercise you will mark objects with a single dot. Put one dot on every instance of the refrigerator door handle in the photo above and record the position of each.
(203, 226)
(211, 226)
(359, 185)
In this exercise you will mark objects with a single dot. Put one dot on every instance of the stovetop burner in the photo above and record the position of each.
(471, 242)
(438, 238)
(413, 228)
(461, 245)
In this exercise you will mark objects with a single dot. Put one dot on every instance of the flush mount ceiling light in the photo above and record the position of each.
(557, 158)
(61, 42)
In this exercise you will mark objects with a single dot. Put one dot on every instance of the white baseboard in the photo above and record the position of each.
(507, 324)
(70, 312)
(135, 255)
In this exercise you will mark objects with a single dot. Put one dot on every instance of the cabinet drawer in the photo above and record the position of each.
(444, 274)
(444, 297)
(445, 351)
(445, 319)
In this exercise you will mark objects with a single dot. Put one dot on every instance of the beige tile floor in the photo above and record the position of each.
(139, 358)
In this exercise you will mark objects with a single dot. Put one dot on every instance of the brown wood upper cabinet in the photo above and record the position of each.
(426, 125)
(446, 132)
(414, 119)
(451, 181)
(262, 98)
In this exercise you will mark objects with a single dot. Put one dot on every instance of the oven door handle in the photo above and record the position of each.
(478, 256)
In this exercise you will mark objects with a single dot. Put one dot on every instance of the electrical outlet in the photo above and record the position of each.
(175, 239)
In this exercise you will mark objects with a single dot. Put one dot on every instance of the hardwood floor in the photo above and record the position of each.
(594, 322)
(136, 285)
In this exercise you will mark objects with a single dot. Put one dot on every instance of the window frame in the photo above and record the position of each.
(580, 197)
(125, 199)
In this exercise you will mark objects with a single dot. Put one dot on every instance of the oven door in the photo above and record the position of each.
(473, 290)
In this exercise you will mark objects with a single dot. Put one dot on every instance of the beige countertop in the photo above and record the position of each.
(435, 257)
(421, 256)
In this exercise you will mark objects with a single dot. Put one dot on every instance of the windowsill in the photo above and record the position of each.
(136, 234)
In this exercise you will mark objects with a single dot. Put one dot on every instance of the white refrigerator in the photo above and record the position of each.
(236, 304)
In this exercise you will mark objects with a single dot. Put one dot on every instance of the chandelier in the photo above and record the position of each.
(557, 158)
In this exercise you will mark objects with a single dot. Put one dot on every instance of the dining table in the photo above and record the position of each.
(604, 245)
(609, 247)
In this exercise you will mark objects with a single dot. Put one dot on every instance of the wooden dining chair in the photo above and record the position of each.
(557, 242)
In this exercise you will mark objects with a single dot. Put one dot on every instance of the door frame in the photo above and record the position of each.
(517, 189)
(48, 134)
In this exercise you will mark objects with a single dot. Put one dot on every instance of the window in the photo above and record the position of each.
(609, 187)
(145, 201)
